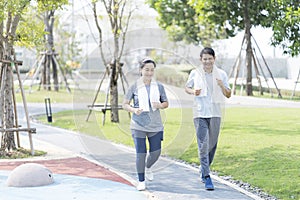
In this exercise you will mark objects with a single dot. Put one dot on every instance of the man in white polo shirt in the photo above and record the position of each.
(209, 84)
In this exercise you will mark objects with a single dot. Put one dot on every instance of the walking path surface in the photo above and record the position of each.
(86, 167)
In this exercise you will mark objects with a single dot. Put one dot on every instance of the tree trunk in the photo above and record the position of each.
(7, 140)
(114, 92)
(1, 93)
(249, 89)
(115, 68)
(50, 63)
(7, 55)
(48, 69)
(44, 73)
(54, 73)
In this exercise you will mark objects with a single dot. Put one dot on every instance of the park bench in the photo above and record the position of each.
(102, 108)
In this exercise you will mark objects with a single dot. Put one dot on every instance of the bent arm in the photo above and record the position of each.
(189, 90)
(164, 105)
(226, 92)
(126, 106)
(192, 91)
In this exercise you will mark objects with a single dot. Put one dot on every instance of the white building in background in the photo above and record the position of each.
(79, 19)
(82, 22)
(27, 56)
(293, 68)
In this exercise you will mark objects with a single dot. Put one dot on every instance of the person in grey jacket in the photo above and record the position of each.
(148, 98)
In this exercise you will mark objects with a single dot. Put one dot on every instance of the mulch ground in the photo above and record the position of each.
(70, 166)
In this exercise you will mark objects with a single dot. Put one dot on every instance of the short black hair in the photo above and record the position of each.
(207, 50)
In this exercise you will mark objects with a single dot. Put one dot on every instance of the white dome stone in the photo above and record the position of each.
(30, 175)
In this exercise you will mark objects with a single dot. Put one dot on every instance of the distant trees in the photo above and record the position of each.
(222, 18)
(48, 9)
(119, 13)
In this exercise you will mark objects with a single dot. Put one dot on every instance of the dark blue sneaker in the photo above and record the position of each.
(208, 183)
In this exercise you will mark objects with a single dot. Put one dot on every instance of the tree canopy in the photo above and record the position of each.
(286, 27)
(183, 23)
(201, 20)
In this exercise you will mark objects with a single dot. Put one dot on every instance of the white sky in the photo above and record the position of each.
(262, 37)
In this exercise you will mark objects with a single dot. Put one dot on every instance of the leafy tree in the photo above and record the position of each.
(48, 8)
(182, 22)
(119, 13)
(13, 14)
(233, 16)
(286, 27)
(68, 51)
(31, 30)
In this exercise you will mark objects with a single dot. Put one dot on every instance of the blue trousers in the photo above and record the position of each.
(154, 139)
(207, 131)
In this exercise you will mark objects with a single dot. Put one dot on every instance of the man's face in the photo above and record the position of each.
(208, 62)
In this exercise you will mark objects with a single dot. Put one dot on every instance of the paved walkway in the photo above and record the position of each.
(86, 167)
(70, 162)
(75, 178)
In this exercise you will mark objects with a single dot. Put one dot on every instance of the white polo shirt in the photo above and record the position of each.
(203, 106)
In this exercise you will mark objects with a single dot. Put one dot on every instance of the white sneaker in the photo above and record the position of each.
(149, 174)
(141, 186)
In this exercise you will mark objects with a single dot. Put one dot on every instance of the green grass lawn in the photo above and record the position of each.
(260, 146)
(38, 96)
